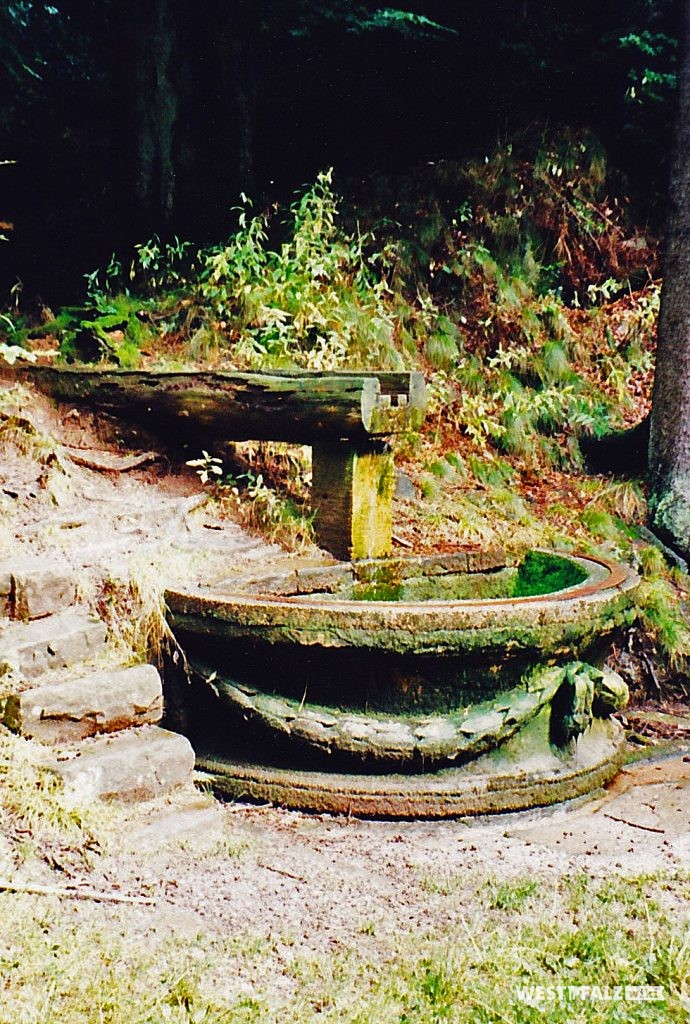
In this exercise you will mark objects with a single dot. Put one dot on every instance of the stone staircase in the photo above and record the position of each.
(100, 724)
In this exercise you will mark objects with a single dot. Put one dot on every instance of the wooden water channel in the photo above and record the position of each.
(348, 419)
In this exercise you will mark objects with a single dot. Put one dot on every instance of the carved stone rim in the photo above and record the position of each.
(619, 579)
(449, 793)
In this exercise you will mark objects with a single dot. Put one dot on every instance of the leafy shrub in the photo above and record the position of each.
(318, 301)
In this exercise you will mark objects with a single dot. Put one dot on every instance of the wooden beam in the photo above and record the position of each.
(300, 407)
(345, 417)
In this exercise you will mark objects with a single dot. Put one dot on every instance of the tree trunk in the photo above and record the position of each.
(669, 448)
(238, 25)
(153, 35)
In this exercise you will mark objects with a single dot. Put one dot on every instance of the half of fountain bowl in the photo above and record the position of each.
(414, 687)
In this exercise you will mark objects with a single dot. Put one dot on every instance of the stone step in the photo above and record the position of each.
(29, 589)
(137, 764)
(192, 816)
(57, 641)
(100, 702)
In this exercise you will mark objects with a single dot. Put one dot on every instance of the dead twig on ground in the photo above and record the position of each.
(280, 871)
(71, 892)
(108, 462)
(635, 824)
(402, 541)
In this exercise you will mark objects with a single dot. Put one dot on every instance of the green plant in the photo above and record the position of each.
(32, 800)
(663, 618)
(206, 467)
(510, 895)
(317, 301)
(262, 507)
(156, 266)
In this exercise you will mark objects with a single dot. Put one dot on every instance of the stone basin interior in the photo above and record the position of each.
(539, 572)
(425, 579)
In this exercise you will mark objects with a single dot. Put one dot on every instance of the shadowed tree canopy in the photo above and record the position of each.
(129, 117)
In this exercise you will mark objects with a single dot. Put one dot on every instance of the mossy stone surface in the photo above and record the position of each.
(412, 741)
(359, 673)
(523, 773)
(352, 495)
(559, 624)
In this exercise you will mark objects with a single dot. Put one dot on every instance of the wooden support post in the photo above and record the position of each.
(352, 493)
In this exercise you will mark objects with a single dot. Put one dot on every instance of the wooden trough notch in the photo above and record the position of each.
(348, 419)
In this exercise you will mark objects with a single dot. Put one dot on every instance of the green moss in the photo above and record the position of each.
(378, 591)
(476, 586)
(453, 587)
(539, 573)
(62, 322)
(542, 573)
(373, 482)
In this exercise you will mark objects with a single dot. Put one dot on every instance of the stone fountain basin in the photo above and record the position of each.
(329, 607)
(325, 662)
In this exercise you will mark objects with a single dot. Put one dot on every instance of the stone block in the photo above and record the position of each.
(39, 592)
(30, 589)
(137, 764)
(54, 642)
(96, 703)
(324, 579)
(404, 486)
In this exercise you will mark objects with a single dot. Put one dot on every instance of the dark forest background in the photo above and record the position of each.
(125, 118)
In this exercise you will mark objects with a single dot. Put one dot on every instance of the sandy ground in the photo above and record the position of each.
(327, 874)
(317, 886)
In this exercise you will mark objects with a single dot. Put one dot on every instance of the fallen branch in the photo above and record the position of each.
(402, 541)
(75, 894)
(279, 871)
(107, 462)
(634, 824)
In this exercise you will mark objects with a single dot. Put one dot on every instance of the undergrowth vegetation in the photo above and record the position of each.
(37, 820)
(517, 282)
(517, 285)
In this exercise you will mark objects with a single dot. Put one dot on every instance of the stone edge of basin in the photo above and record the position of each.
(563, 605)
(449, 793)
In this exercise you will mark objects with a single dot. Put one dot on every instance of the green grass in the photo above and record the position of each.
(59, 963)
(511, 895)
(31, 800)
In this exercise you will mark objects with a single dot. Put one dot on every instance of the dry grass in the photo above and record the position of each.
(72, 964)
